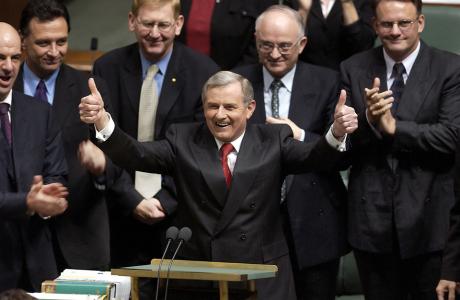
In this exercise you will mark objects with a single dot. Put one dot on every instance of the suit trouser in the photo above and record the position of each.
(317, 282)
(388, 276)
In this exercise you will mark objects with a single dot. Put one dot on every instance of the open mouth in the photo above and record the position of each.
(5, 79)
(222, 124)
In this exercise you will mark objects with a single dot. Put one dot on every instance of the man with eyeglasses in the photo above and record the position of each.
(302, 96)
(153, 83)
(401, 187)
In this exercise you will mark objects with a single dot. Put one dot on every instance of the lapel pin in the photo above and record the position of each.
(173, 79)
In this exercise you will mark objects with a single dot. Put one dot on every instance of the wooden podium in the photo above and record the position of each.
(200, 270)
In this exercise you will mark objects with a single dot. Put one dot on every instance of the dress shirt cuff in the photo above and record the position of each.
(335, 143)
(106, 132)
(302, 135)
(374, 130)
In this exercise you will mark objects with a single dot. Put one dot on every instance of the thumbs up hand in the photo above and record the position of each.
(92, 107)
(345, 118)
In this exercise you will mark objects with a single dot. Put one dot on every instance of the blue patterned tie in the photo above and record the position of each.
(398, 84)
(275, 88)
(40, 92)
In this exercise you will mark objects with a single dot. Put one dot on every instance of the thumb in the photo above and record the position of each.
(376, 83)
(37, 179)
(37, 184)
(342, 99)
(93, 88)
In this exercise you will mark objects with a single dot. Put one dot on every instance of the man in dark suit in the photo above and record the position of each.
(401, 185)
(81, 235)
(336, 29)
(314, 204)
(228, 202)
(222, 29)
(181, 73)
(29, 145)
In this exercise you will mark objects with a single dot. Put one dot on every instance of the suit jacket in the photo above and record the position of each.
(329, 41)
(242, 224)
(83, 230)
(402, 186)
(36, 150)
(232, 30)
(180, 101)
(315, 201)
(451, 255)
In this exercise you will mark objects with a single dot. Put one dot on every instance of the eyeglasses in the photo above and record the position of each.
(402, 24)
(162, 26)
(283, 48)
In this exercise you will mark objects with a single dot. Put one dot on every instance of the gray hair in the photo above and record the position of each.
(224, 78)
(291, 13)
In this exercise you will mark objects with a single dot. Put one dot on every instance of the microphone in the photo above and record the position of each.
(171, 235)
(184, 235)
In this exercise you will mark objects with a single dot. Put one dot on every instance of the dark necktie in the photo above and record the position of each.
(225, 150)
(5, 121)
(40, 92)
(275, 88)
(398, 84)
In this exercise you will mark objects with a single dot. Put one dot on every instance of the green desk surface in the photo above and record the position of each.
(200, 270)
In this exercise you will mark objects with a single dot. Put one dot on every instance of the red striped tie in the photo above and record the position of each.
(224, 151)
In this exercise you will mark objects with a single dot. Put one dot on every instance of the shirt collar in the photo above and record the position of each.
(236, 143)
(162, 64)
(33, 79)
(8, 98)
(408, 62)
(287, 80)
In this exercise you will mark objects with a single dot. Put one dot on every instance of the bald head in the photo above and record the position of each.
(7, 32)
(280, 39)
(10, 58)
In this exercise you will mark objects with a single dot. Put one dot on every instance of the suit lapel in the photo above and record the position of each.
(302, 104)
(317, 11)
(20, 132)
(417, 86)
(377, 68)
(64, 92)
(244, 174)
(131, 76)
(207, 158)
(172, 85)
(258, 86)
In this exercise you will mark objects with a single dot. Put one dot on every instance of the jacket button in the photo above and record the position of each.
(321, 212)
(243, 237)
(252, 205)
(313, 183)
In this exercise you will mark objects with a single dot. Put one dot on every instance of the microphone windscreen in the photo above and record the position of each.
(185, 234)
(172, 233)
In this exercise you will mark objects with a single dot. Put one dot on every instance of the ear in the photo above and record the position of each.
(375, 24)
(131, 21)
(250, 109)
(179, 23)
(421, 23)
(302, 44)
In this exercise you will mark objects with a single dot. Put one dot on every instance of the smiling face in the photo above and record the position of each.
(46, 45)
(225, 111)
(155, 28)
(281, 31)
(10, 58)
(398, 41)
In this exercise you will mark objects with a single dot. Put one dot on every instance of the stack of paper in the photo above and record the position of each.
(122, 283)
